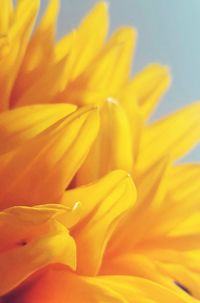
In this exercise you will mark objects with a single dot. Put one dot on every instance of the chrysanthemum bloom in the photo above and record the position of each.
(44, 147)
(54, 252)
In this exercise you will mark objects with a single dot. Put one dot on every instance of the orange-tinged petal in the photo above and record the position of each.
(18, 35)
(90, 38)
(32, 238)
(110, 205)
(112, 148)
(149, 86)
(45, 88)
(22, 124)
(40, 170)
(57, 285)
(181, 131)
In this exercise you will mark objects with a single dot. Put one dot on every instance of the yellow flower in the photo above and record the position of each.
(99, 242)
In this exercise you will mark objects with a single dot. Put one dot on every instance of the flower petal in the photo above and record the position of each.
(174, 135)
(40, 170)
(31, 239)
(5, 15)
(18, 36)
(107, 201)
(57, 285)
(24, 123)
(112, 148)
(90, 39)
(149, 86)
(39, 52)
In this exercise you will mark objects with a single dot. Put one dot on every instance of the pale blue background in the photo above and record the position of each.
(169, 33)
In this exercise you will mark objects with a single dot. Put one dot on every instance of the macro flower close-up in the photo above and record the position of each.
(96, 203)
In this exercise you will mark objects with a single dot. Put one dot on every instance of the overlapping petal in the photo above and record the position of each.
(32, 238)
(58, 285)
(41, 168)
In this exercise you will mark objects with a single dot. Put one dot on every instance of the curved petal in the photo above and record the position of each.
(32, 238)
(38, 53)
(91, 35)
(18, 36)
(149, 86)
(174, 135)
(57, 285)
(112, 148)
(110, 198)
(40, 170)
(20, 125)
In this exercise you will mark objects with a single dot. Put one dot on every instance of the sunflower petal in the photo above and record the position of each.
(126, 38)
(180, 130)
(112, 148)
(107, 289)
(18, 35)
(24, 123)
(91, 36)
(30, 240)
(40, 170)
(5, 15)
(109, 206)
(149, 86)
(38, 54)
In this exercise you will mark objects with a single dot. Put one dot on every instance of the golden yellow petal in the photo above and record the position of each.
(40, 170)
(31, 239)
(112, 202)
(18, 36)
(174, 136)
(112, 148)
(90, 38)
(5, 15)
(149, 86)
(24, 123)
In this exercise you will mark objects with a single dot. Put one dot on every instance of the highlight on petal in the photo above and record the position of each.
(40, 170)
(104, 204)
(22, 124)
(181, 131)
(108, 289)
(32, 238)
(112, 148)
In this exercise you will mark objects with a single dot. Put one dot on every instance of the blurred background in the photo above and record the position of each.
(168, 33)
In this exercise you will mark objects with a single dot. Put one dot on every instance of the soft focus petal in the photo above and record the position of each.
(57, 285)
(91, 35)
(149, 86)
(181, 131)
